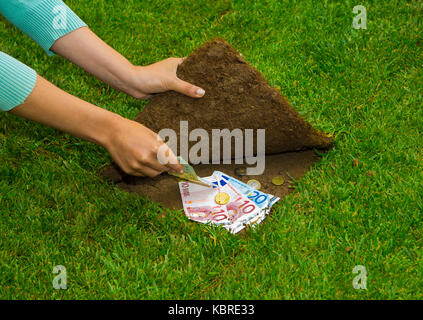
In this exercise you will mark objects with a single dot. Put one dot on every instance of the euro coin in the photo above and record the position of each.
(222, 198)
(278, 180)
(240, 171)
(254, 184)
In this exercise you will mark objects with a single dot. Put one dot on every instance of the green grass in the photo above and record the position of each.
(362, 86)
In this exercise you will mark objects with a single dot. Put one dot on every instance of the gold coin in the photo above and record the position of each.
(222, 198)
(240, 171)
(254, 184)
(278, 180)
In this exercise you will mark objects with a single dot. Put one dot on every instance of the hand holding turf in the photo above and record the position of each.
(161, 77)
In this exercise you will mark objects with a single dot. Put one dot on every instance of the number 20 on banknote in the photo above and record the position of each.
(257, 197)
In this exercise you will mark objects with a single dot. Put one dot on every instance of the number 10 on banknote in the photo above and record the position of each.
(199, 205)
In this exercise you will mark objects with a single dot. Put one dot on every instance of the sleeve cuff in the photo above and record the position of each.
(17, 81)
(49, 21)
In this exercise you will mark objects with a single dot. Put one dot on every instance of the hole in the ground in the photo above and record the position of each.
(237, 97)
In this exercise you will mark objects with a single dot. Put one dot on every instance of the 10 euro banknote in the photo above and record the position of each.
(263, 200)
(200, 205)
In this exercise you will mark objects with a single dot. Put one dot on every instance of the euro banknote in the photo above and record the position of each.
(200, 205)
(263, 200)
(188, 174)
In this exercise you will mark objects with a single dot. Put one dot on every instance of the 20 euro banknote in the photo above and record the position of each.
(263, 200)
(199, 205)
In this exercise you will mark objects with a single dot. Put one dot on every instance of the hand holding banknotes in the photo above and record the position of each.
(134, 147)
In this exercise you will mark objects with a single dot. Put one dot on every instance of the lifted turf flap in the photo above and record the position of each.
(237, 97)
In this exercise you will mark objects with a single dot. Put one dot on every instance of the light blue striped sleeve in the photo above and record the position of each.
(16, 82)
(44, 21)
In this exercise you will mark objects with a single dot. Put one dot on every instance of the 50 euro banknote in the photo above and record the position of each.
(200, 205)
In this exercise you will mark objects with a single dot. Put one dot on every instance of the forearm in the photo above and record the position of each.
(88, 51)
(133, 146)
(51, 106)
(56, 28)
(85, 49)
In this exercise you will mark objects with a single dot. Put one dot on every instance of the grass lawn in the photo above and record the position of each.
(365, 87)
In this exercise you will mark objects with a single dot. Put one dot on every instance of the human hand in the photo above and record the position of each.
(88, 51)
(135, 149)
(160, 77)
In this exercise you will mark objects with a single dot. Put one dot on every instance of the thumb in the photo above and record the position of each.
(187, 88)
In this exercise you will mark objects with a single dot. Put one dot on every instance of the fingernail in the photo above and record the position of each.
(200, 92)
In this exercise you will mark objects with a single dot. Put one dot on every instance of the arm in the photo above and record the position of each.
(132, 146)
(16, 82)
(44, 21)
(88, 51)
(56, 28)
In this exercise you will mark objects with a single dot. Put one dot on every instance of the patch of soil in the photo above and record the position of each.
(165, 189)
(237, 96)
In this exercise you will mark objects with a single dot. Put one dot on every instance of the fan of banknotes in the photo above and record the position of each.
(223, 200)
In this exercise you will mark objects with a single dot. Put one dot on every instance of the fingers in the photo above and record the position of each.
(149, 172)
(154, 168)
(146, 97)
(187, 88)
(174, 164)
(155, 165)
(167, 158)
(175, 62)
(143, 171)
(180, 60)
(141, 152)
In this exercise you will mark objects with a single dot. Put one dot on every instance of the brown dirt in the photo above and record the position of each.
(164, 188)
(237, 96)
